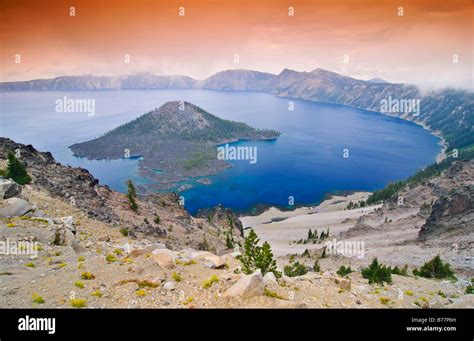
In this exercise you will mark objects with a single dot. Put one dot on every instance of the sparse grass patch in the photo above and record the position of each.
(470, 288)
(140, 292)
(384, 300)
(213, 279)
(185, 263)
(272, 294)
(38, 248)
(78, 303)
(118, 252)
(376, 291)
(144, 283)
(97, 293)
(79, 284)
(81, 259)
(176, 277)
(408, 292)
(37, 298)
(423, 299)
(30, 265)
(110, 258)
(87, 275)
(188, 300)
(124, 231)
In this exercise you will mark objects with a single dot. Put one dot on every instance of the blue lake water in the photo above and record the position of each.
(305, 163)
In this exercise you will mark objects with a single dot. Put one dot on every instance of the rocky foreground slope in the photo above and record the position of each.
(68, 241)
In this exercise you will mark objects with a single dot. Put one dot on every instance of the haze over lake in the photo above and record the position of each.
(305, 162)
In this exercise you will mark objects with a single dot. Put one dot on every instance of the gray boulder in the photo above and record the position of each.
(13, 207)
(9, 189)
(67, 221)
(269, 279)
(169, 286)
(164, 258)
(247, 286)
(61, 235)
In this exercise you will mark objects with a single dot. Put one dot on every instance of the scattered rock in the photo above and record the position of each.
(61, 235)
(104, 239)
(269, 279)
(13, 207)
(9, 189)
(147, 249)
(235, 254)
(169, 286)
(465, 301)
(247, 286)
(164, 258)
(287, 280)
(77, 247)
(208, 259)
(68, 222)
(343, 283)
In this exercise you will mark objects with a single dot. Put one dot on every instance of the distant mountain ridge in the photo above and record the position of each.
(377, 81)
(448, 112)
(141, 81)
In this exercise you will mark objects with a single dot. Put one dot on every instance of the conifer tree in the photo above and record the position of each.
(131, 195)
(257, 257)
(17, 170)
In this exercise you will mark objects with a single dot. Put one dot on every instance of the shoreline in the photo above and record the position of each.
(444, 145)
(442, 141)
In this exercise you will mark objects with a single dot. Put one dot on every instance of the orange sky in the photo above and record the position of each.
(417, 47)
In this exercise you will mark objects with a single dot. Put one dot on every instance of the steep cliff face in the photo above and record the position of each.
(76, 185)
(453, 212)
(223, 216)
(442, 208)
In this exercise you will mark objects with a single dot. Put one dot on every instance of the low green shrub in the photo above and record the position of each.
(377, 273)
